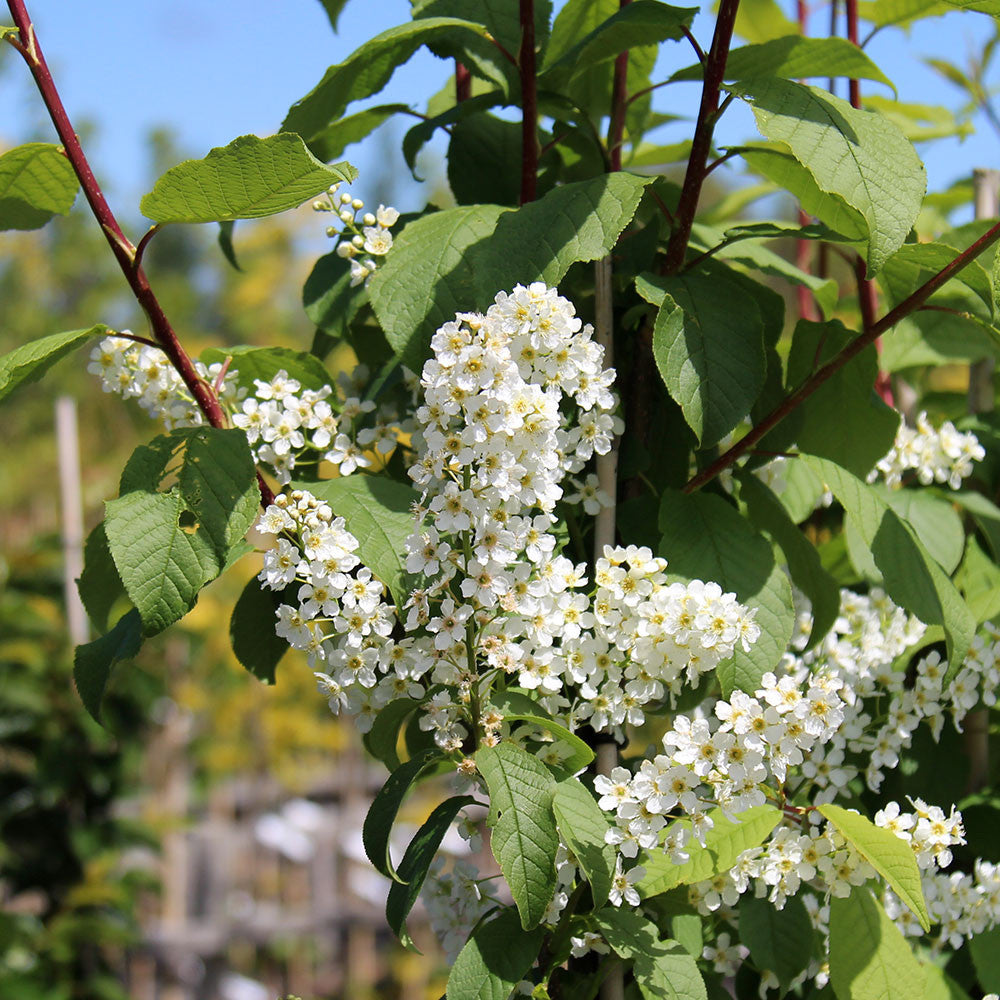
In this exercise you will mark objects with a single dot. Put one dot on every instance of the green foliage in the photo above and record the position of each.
(781, 941)
(891, 857)
(869, 957)
(251, 630)
(331, 141)
(582, 826)
(264, 363)
(31, 361)
(857, 155)
(985, 951)
(495, 959)
(524, 838)
(249, 179)
(36, 182)
(95, 660)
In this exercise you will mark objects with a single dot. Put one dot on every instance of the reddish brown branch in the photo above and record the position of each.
(463, 82)
(855, 347)
(529, 103)
(121, 247)
(619, 103)
(701, 144)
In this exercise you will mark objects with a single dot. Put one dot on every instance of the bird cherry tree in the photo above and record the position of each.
(661, 560)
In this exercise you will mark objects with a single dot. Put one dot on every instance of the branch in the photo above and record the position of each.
(811, 384)
(529, 103)
(125, 253)
(701, 145)
(619, 92)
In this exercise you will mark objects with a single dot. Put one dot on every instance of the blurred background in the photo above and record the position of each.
(207, 843)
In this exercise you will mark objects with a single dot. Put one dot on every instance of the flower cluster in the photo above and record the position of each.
(455, 902)
(371, 237)
(937, 456)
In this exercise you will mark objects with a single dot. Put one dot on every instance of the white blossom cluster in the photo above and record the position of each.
(144, 373)
(455, 902)
(282, 420)
(362, 244)
(936, 456)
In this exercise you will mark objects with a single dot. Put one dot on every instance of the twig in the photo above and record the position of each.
(143, 243)
(698, 50)
(529, 103)
(463, 82)
(121, 247)
(619, 90)
(910, 304)
(701, 145)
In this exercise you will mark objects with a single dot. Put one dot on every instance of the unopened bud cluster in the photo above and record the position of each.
(364, 236)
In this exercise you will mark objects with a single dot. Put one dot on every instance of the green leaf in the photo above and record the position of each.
(642, 22)
(794, 57)
(99, 584)
(248, 179)
(767, 513)
(704, 538)
(494, 960)
(225, 240)
(378, 512)
(724, 843)
(380, 741)
(762, 20)
(251, 630)
(37, 181)
(775, 162)
(219, 484)
(378, 823)
(985, 513)
(883, 13)
(333, 8)
(368, 69)
(428, 278)
(915, 263)
(855, 154)
(583, 825)
(781, 941)
(663, 970)
(938, 985)
(264, 363)
(890, 856)
(913, 579)
(524, 839)
(31, 361)
(93, 662)
(484, 160)
(843, 420)
(416, 862)
(991, 7)
(330, 142)
(162, 565)
(985, 951)
(869, 957)
(934, 521)
(328, 297)
(978, 578)
(579, 755)
(708, 344)
(501, 18)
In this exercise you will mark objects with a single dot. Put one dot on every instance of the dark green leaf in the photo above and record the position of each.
(416, 861)
(780, 941)
(934, 521)
(93, 662)
(484, 160)
(37, 181)
(249, 179)
(330, 142)
(226, 243)
(380, 741)
(251, 630)
(99, 584)
(985, 951)
(31, 361)
(494, 960)
(500, 17)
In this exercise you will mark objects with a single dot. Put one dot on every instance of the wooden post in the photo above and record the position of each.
(71, 504)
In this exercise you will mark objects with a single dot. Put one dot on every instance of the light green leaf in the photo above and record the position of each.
(642, 22)
(985, 951)
(780, 941)
(663, 970)
(915, 263)
(708, 344)
(843, 420)
(766, 513)
(583, 825)
(251, 629)
(579, 755)
(93, 662)
(377, 828)
(704, 538)
(855, 154)
(991, 7)
(428, 278)
(763, 20)
(368, 69)
(31, 361)
(938, 985)
(248, 179)
(724, 843)
(883, 13)
(330, 142)
(890, 856)
(869, 957)
(934, 521)
(219, 485)
(912, 578)
(794, 57)
(264, 363)
(524, 840)
(37, 181)
(978, 578)
(378, 511)
(162, 564)
(985, 513)
(416, 862)
(99, 584)
(494, 960)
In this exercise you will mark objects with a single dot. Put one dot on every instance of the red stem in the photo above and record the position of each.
(619, 94)
(529, 103)
(463, 82)
(818, 377)
(803, 248)
(701, 145)
(121, 247)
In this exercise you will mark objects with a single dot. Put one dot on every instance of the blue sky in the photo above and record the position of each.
(212, 71)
